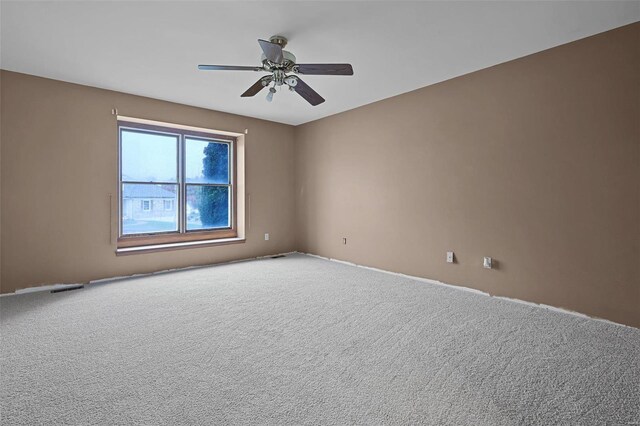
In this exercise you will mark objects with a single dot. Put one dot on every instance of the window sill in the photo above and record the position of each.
(177, 246)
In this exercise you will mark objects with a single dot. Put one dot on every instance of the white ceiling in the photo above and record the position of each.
(153, 48)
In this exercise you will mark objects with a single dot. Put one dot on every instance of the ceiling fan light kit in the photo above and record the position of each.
(283, 71)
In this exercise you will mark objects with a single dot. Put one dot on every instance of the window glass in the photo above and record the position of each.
(206, 161)
(141, 208)
(208, 207)
(149, 157)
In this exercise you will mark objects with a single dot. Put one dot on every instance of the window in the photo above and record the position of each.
(175, 185)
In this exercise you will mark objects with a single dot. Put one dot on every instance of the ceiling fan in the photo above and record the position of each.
(282, 68)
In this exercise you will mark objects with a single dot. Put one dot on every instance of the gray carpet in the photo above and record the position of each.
(301, 340)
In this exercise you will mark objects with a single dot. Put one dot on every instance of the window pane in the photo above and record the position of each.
(144, 208)
(149, 157)
(208, 207)
(206, 162)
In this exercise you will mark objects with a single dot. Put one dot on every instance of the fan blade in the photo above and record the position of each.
(308, 93)
(257, 86)
(272, 51)
(227, 68)
(325, 69)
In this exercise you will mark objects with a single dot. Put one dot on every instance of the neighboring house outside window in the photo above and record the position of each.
(146, 201)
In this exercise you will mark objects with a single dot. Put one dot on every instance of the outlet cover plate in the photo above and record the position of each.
(487, 263)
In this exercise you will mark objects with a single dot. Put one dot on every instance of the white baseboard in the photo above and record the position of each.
(473, 290)
(124, 277)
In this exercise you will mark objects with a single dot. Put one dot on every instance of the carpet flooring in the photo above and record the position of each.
(301, 340)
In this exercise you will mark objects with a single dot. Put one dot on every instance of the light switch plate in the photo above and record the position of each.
(266, 236)
(449, 257)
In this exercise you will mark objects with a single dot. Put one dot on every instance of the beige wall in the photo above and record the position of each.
(59, 164)
(535, 162)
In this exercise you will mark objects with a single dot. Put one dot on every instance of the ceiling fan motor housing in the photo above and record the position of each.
(288, 62)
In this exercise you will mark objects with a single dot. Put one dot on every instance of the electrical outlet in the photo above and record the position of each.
(487, 263)
(266, 236)
(449, 257)
(344, 241)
